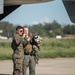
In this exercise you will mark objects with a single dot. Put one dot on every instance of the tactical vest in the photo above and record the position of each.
(28, 48)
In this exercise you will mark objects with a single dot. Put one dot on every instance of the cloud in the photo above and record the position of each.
(35, 23)
(45, 19)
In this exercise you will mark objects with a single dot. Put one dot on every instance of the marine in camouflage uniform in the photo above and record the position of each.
(18, 53)
(29, 60)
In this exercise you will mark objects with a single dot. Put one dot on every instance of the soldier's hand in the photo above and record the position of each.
(24, 35)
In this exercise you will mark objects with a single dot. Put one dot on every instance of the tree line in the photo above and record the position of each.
(46, 29)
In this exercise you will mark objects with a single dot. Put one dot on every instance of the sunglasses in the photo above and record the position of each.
(21, 31)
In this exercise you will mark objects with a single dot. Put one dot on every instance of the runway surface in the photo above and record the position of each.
(58, 66)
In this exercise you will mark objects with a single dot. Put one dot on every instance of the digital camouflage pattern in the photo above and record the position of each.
(18, 54)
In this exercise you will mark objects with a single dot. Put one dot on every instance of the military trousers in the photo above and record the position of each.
(17, 66)
(29, 62)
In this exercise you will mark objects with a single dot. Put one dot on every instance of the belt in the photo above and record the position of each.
(28, 54)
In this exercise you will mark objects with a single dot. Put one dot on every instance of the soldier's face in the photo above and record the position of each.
(20, 31)
(26, 31)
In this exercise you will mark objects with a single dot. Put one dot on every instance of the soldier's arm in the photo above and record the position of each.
(24, 41)
(18, 39)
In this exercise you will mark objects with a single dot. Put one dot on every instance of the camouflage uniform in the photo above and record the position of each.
(29, 59)
(18, 54)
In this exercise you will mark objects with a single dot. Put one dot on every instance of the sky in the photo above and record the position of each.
(39, 13)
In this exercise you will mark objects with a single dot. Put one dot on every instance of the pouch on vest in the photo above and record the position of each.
(28, 48)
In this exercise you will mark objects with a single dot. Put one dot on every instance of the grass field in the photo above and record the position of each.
(50, 48)
(53, 48)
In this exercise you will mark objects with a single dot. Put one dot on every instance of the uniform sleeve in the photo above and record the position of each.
(25, 42)
(18, 39)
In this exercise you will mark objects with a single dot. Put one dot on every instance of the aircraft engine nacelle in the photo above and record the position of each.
(19, 2)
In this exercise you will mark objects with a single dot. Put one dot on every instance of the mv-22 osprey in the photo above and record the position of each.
(10, 5)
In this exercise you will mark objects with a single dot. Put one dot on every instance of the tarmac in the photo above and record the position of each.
(58, 66)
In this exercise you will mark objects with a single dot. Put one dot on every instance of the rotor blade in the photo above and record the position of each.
(8, 10)
(70, 7)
